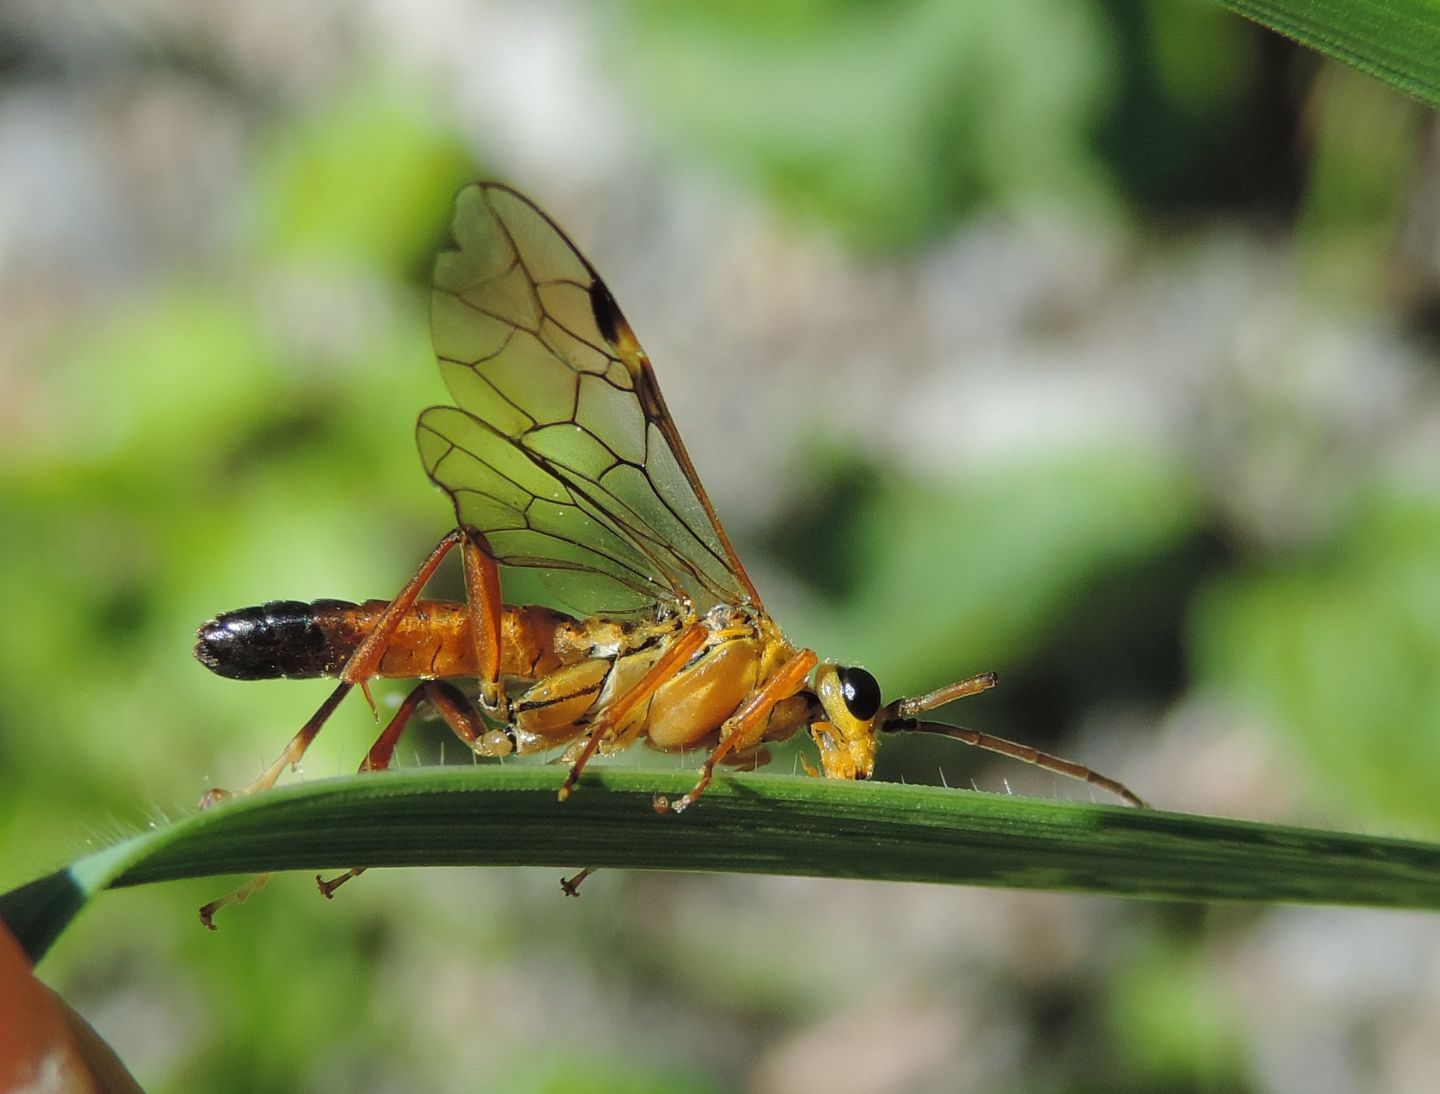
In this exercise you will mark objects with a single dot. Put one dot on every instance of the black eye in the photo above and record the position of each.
(861, 692)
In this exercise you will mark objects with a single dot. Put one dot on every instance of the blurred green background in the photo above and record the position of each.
(1092, 342)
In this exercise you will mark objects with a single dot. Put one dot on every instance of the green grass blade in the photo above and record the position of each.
(765, 824)
(1397, 41)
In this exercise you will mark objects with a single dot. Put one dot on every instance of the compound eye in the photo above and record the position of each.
(860, 691)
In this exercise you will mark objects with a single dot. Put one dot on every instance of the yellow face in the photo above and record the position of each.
(850, 698)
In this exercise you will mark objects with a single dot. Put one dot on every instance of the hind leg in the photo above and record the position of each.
(464, 721)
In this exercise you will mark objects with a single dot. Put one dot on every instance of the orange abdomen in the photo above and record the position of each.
(296, 640)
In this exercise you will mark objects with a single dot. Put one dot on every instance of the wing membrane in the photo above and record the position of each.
(560, 448)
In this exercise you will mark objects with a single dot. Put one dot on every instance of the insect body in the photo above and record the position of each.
(570, 671)
(560, 455)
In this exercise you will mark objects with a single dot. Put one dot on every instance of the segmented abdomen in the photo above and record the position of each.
(296, 640)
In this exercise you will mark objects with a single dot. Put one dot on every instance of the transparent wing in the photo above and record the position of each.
(559, 448)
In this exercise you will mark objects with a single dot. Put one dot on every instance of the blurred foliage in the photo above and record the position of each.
(1200, 119)
(356, 183)
(885, 120)
(1340, 647)
(565, 1072)
(1008, 552)
(1357, 188)
(1174, 1017)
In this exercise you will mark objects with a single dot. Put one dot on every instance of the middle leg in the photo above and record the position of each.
(737, 732)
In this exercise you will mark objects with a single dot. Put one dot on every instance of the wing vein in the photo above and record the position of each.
(559, 448)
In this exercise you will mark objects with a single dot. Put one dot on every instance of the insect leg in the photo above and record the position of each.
(364, 663)
(677, 654)
(570, 886)
(359, 669)
(783, 683)
(459, 714)
(485, 607)
(685, 645)
(236, 896)
(292, 753)
(462, 718)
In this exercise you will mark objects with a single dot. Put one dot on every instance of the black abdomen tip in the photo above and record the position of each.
(283, 638)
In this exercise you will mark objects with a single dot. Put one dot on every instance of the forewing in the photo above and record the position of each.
(559, 448)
